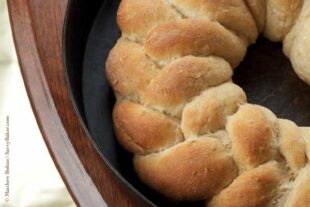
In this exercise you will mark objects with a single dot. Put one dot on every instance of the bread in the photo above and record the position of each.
(193, 133)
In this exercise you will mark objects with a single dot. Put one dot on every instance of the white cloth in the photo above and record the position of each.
(33, 178)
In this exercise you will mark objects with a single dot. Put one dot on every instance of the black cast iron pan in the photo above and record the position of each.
(91, 31)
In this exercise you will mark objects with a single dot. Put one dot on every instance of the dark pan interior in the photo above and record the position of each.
(98, 100)
(91, 31)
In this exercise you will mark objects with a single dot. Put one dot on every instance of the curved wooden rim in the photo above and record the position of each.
(37, 29)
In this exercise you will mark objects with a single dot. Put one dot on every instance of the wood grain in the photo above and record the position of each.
(37, 27)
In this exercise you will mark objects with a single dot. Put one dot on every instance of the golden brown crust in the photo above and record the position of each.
(129, 71)
(171, 72)
(295, 31)
(280, 17)
(208, 112)
(252, 137)
(135, 127)
(297, 44)
(183, 79)
(300, 195)
(192, 170)
(258, 11)
(255, 187)
(199, 37)
(136, 18)
(291, 145)
(232, 14)
(305, 132)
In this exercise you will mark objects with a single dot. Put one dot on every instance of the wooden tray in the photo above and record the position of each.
(37, 28)
(266, 76)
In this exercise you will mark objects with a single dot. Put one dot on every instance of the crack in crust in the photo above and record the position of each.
(193, 134)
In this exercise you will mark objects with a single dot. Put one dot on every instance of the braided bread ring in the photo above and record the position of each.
(193, 134)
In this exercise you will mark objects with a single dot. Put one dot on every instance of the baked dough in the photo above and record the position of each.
(193, 133)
